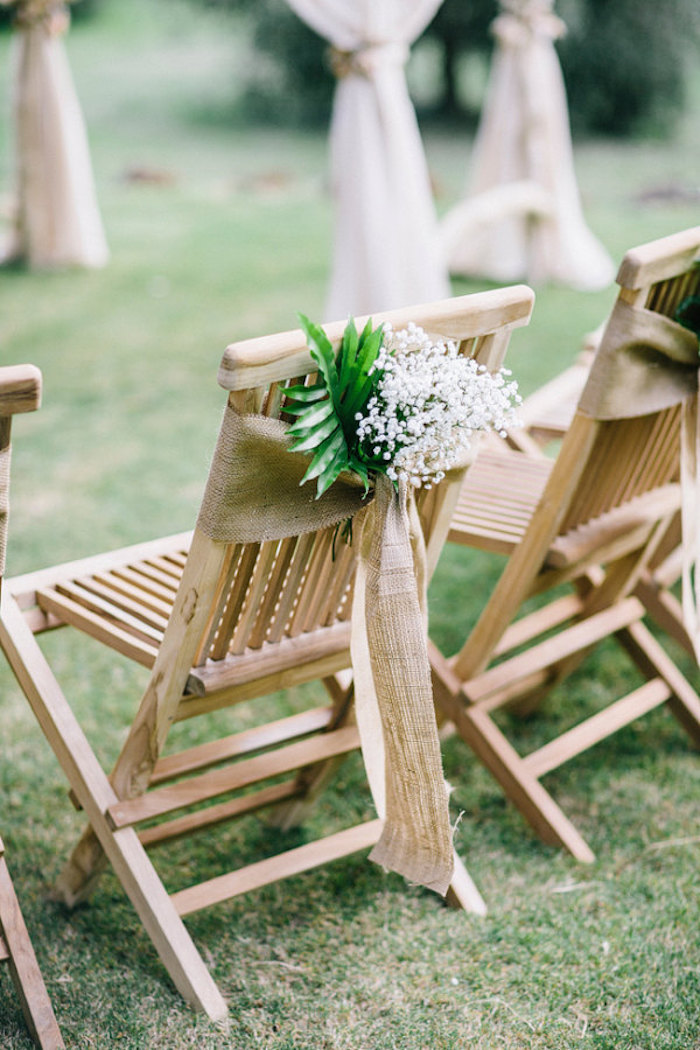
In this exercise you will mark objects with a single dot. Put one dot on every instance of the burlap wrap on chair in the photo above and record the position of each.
(647, 363)
(254, 495)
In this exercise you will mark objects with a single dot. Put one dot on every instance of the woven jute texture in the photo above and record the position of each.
(253, 492)
(646, 363)
(392, 678)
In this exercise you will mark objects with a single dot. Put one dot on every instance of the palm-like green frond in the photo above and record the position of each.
(325, 412)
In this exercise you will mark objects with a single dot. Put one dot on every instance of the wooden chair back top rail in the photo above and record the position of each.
(255, 362)
(659, 260)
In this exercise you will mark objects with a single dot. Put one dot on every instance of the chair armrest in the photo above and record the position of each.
(20, 389)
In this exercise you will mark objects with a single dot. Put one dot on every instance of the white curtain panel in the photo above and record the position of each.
(58, 221)
(522, 215)
(386, 244)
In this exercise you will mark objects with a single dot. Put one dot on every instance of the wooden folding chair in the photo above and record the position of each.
(20, 391)
(595, 518)
(221, 623)
(548, 412)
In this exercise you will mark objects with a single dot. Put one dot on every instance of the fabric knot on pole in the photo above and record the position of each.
(366, 60)
(522, 20)
(52, 15)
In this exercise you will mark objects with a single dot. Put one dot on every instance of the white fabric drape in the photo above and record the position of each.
(58, 221)
(522, 216)
(386, 251)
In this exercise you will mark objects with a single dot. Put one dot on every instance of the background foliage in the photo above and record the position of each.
(625, 63)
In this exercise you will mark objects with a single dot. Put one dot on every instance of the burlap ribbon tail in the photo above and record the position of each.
(647, 363)
(253, 495)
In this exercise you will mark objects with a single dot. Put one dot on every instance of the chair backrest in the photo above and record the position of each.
(265, 614)
(614, 479)
(631, 457)
(284, 591)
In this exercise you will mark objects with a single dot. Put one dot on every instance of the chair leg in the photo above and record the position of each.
(462, 892)
(491, 747)
(25, 971)
(653, 661)
(535, 803)
(95, 794)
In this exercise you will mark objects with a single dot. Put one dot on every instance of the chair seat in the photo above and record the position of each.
(123, 598)
(498, 499)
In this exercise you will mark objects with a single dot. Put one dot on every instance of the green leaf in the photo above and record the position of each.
(338, 464)
(348, 352)
(305, 394)
(326, 465)
(321, 351)
(688, 313)
(310, 439)
(313, 416)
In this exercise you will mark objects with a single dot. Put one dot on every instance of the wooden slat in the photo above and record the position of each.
(284, 865)
(132, 591)
(572, 640)
(229, 568)
(554, 614)
(24, 587)
(133, 611)
(260, 663)
(85, 620)
(268, 604)
(295, 673)
(243, 743)
(597, 727)
(144, 584)
(288, 596)
(108, 611)
(216, 782)
(4, 950)
(217, 814)
(234, 603)
(313, 580)
(257, 587)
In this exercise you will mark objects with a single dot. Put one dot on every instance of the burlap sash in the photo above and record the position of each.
(4, 503)
(253, 494)
(646, 363)
(393, 692)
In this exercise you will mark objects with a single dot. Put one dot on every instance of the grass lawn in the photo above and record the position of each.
(220, 231)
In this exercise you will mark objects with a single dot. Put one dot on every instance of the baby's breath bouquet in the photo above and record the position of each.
(398, 403)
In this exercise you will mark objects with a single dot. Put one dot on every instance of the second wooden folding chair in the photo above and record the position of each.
(594, 519)
(548, 413)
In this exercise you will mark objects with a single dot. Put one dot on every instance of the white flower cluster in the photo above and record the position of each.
(429, 402)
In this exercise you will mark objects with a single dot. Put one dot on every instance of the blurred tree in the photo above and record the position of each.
(625, 62)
